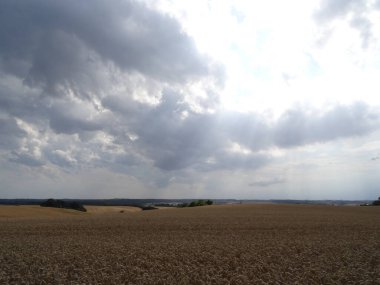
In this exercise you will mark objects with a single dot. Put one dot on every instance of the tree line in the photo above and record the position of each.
(196, 203)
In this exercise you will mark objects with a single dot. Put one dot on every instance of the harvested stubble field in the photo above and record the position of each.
(240, 244)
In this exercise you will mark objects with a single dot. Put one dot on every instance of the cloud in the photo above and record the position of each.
(120, 86)
(71, 116)
(302, 126)
(173, 141)
(332, 9)
(298, 126)
(26, 159)
(63, 67)
(357, 13)
(10, 133)
(53, 43)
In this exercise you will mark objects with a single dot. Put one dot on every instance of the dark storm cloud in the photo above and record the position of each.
(106, 84)
(16, 102)
(69, 125)
(63, 116)
(63, 49)
(53, 42)
(25, 159)
(298, 127)
(170, 133)
(173, 140)
(355, 11)
(175, 137)
(69, 118)
(10, 133)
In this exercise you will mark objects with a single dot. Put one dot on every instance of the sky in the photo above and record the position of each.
(190, 99)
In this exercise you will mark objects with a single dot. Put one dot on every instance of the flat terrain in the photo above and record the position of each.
(240, 244)
(30, 212)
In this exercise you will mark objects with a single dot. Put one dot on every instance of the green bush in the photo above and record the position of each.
(196, 203)
(52, 203)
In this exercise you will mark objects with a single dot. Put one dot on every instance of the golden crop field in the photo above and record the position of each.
(237, 244)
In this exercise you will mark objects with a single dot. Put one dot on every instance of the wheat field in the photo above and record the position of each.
(229, 244)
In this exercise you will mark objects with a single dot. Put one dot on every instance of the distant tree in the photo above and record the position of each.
(76, 206)
(147, 208)
(52, 203)
(196, 203)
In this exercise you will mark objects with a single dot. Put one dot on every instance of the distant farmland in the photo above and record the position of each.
(227, 244)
